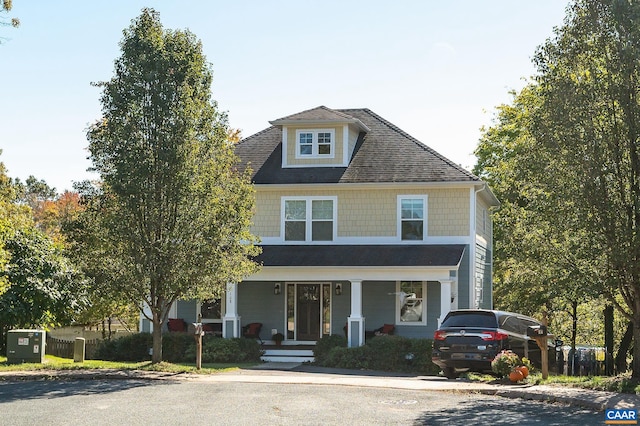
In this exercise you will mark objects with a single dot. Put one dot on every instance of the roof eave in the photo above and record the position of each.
(285, 122)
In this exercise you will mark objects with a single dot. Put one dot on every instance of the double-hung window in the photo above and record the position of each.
(315, 143)
(309, 218)
(411, 306)
(412, 217)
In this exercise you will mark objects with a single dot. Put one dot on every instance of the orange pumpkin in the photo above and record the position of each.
(516, 376)
(524, 370)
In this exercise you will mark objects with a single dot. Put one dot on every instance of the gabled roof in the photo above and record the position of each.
(321, 113)
(383, 153)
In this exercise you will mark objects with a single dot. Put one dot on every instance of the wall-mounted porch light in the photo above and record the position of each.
(338, 289)
(276, 289)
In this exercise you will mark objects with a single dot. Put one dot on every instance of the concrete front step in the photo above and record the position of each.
(288, 355)
(297, 352)
(299, 359)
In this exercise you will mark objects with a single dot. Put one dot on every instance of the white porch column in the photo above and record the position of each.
(445, 300)
(231, 320)
(355, 333)
(454, 295)
(143, 319)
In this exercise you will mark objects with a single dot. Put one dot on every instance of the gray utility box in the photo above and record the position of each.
(25, 346)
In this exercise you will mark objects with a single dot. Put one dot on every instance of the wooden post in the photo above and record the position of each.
(544, 354)
(198, 336)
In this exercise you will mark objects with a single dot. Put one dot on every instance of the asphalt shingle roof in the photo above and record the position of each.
(361, 255)
(321, 113)
(383, 154)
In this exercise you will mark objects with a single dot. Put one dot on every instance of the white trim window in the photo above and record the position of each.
(412, 217)
(309, 218)
(211, 310)
(319, 143)
(411, 306)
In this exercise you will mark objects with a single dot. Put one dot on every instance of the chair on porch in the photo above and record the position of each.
(385, 330)
(252, 331)
(176, 324)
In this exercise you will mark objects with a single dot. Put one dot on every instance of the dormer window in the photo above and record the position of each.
(315, 143)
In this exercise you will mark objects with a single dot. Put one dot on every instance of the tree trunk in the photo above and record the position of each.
(608, 339)
(621, 357)
(156, 356)
(571, 362)
(574, 324)
(635, 363)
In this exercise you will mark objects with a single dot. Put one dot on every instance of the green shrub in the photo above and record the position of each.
(504, 363)
(383, 353)
(421, 362)
(134, 347)
(179, 347)
(227, 350)
(175, 346)
(351, 358)
(324, 346)
(250, 349)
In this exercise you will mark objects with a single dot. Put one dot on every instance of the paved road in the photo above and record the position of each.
(170, 402)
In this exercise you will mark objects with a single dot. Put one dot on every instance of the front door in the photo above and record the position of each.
(308, 312)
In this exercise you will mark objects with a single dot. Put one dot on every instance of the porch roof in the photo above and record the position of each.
(407, 255)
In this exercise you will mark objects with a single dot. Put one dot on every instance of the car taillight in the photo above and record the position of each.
(439, 335)
(494, 335)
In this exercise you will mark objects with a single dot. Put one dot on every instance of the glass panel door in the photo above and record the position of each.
(308, 312)
(326, 309)
(291, 311)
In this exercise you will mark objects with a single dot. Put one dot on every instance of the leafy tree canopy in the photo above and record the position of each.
(541, 247)
(171, 217)
(44, 288)
(567, 155)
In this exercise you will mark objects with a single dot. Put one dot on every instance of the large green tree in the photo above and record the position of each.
(44, 288)
(39, 287)
(589, 122)
(545, 263)
(13, 216)
(171, 216)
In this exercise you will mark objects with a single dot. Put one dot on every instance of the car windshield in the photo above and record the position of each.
(470, 319)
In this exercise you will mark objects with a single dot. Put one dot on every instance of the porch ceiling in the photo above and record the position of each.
(443, 256)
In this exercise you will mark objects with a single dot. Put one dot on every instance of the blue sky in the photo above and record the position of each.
(436, 69)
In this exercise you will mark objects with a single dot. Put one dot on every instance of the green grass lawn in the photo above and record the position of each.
(620, 383)
(57, 363)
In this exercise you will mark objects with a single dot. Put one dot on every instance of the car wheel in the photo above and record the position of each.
(450, 373)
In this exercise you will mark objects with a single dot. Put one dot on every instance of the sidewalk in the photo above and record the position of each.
(292, 373)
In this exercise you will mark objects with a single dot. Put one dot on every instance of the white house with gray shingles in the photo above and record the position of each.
(361, 225)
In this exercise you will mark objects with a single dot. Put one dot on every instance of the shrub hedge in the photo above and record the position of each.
(383, 353)
(324, 346)
(227, 350)
(179, 347)
(133, 347)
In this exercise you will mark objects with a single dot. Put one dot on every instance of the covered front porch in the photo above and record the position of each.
(347, 290)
